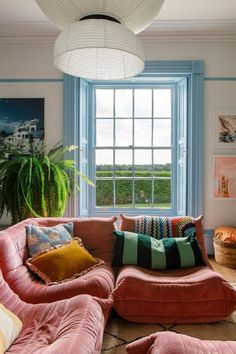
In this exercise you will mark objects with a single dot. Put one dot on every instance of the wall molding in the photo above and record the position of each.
(31, 80)
(159, 31)
(220, 78)
(190, 31)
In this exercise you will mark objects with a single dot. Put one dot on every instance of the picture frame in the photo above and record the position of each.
(22, 123)
(224, 177)
(224, 129)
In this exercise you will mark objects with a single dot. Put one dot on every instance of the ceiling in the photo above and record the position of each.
(183, 18)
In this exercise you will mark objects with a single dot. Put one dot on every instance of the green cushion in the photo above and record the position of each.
(148, 252)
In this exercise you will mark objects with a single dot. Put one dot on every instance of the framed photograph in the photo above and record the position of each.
(225, 176)
(22, 122)
(224, 125)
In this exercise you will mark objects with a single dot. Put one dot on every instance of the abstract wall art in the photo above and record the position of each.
(225, 176)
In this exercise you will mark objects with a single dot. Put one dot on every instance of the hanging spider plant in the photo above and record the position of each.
(37, 184)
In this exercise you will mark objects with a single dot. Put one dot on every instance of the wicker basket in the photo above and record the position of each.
(225, 253)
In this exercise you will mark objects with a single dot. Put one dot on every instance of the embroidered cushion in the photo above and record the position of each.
(40, 238)
(148, 252)
(63, 263)
(10, 327)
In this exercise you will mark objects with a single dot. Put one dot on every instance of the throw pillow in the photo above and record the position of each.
(160, 226)
(63, 263)
(130, 223)
(40, 238)
(148, 252)
(10, 327)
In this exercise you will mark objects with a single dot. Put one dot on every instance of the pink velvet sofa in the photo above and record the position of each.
(73, 325)
(173, 343)
(187, 295)
(97, 236)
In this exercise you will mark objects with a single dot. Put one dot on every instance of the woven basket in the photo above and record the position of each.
(225, 253)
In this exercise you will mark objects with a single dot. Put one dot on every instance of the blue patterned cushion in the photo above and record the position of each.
(40, 238)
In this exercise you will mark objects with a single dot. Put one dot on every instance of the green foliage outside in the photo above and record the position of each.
(142, 188)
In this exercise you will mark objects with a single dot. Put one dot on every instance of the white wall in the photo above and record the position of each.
(220, 61)
(35, 61)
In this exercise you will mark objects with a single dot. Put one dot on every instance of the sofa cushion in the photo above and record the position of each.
(96, 233)
(63, 263)
(188, 295)
(10, 327)
(40, 238)
(74, 325)
(163, 226)
(148, 252)
(98, 238)
(130, 223)
(173, 343)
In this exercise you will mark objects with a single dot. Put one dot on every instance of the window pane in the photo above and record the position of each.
(104, 103)
(143, 193)
(162, 193)
(143, 103)
(104, 132)
(143, 163)
(123, 163)
(143, 132)
(162, 158)
(124, 133)
(124, 103)
(124, 193)
(104, 194)
(162, 132)
(162, 103)
(104, 160)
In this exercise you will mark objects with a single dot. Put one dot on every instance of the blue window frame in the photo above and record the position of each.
(133, 162)
(81, 117)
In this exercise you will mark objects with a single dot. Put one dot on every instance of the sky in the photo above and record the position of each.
(128, 132)
(18, 110)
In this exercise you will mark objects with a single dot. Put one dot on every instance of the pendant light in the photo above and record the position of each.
(98, 38)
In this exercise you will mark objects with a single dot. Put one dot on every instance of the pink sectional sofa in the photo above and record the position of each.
(73, 325)
(97, 236)
(187, 295)
(173, 343)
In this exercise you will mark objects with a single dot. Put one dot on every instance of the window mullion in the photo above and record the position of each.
(114, 149)
(133, 131)
(152, 144)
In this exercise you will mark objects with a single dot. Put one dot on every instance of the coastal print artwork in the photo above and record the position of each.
(225, 176)
(225, 129)
(22, 123)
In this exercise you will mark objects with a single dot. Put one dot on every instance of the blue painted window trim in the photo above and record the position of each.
(193, 71)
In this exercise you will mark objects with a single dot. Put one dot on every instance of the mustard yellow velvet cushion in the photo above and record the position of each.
(63, 263)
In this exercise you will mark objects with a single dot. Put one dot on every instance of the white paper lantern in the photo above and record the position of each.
(98, 49)
(134, 14)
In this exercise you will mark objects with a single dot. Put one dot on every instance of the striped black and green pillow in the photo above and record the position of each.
(148, 252)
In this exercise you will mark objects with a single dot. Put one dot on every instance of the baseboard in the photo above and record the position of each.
(208, 234)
